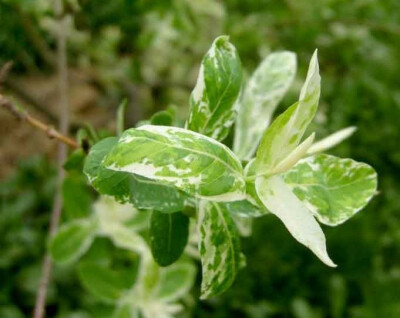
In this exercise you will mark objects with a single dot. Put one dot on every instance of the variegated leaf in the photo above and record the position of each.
(219, 247)
(218, 85)
(299, 221)
(285, 133)
(144, 193)
(262, 94)
(194, 163)
(331, 141)
(251, 206)
(334, 189)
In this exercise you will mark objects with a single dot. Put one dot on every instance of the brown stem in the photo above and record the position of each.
(39, 311)
(25, 116)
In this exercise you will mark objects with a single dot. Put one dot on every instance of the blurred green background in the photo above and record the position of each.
(149, 52)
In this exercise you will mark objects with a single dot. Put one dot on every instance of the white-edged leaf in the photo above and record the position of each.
(192, 162)
(176, 281)
(285, 133)
(299, 221)
(331, 141)
(334, 189)
(217, 88)
(72, 240)
(262, 94)
(219, 246)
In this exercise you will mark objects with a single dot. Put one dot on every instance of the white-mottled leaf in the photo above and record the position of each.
(331, 141)
(219, 247)
(218, 85)
(192, 162)
(334, 189)
(124, 187)
(264, 90)
(299, 221)
(72, 240)
(285, 133)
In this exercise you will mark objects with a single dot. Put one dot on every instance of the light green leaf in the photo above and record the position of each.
(294, 156)
(334, 189)
(299, 221)
(331, 141)
(168, 236)
(76, 196)
(285, 133)
(176, 281)
(125, 311)
(264, 90)
(217, 88)
(72, 240)
(142, 192)
(103, 282)
(190, 161)
(219, 246)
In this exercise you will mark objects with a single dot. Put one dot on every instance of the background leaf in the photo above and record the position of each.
(262, 94)
(103, 282)
(72, 240)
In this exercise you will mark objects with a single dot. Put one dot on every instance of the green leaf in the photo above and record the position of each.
(281, 201)
(176, 281)
(163, 118)
(219, 248)
(103, 282)
(334, 189)
(187, 160)
(76, 196)
(72, 240)
(331, 141)
(218, 85)
(96, 155)
(75, 160)
(142, 192)
(168, 236)
(125, 311)
(264, 90)
(285, 133)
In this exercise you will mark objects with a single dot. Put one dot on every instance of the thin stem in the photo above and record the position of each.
(25, 116)
(62, 155)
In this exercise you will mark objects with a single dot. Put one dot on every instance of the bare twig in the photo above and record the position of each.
(5, 69)
(39, 311)
(25, 116)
